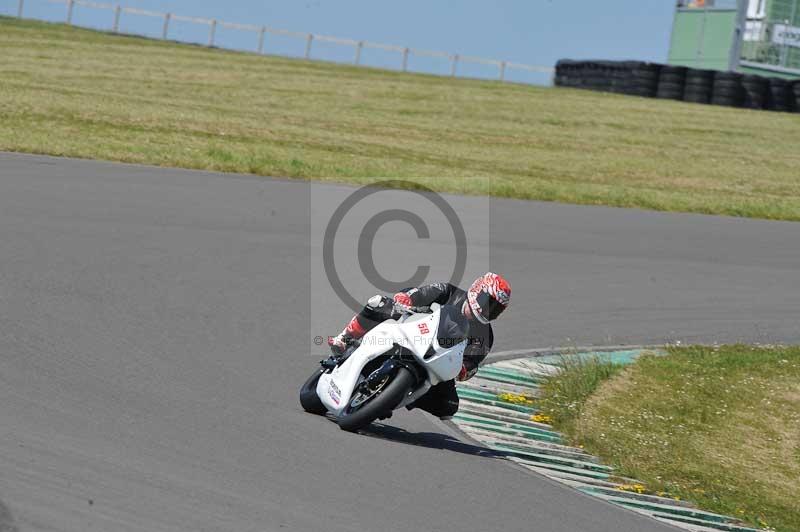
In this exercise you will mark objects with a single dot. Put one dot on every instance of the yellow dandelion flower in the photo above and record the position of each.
(515, 398)
(638, 488)
(541, 418)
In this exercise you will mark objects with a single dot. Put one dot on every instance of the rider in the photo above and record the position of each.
(485, 300)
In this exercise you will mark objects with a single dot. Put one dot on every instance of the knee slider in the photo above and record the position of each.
(378, 309)
(378, 302)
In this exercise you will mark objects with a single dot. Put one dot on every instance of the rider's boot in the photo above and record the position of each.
(338, 344)
(377, 309)
(345, 339)
(342, 341)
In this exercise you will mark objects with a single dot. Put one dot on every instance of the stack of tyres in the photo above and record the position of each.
(594, 76)
(643, 79)
(619, 77)
(727, 89)
(754, 91)
(561, 78)
(796, 92)
(698, 85)
(671, 81)
(568, 73)
(680, 83)
(779, 96)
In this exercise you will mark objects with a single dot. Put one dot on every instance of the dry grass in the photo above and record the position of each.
(563, 398)
(719, 426)
(73, 92)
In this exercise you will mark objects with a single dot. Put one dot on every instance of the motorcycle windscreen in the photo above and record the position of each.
(453, 327)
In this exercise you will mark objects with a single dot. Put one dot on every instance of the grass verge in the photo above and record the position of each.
(564, 396)
(80, 93)
(719, 426)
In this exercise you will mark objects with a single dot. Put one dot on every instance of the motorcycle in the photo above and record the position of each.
(392, 366)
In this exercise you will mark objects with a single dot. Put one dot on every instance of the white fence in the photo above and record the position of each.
(261, 44)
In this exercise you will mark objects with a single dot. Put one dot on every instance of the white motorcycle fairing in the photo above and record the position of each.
(416, 333)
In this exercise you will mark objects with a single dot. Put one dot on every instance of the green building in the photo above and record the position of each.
(751, 36)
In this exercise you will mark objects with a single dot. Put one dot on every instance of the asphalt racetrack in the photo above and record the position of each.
(155, 326)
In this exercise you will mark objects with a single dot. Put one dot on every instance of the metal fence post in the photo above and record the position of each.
(701, 39)
(784, 47)
(309, 40)
(70, 6)
(359, 47)
(735, 54)
(212, 29)
(261, 39)
(165, 30)
(20, 5)
(453, 65)
(117, 12)
(405, 59)
(502, 70)
(789, 22)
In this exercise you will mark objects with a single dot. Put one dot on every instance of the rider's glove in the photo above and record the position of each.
(338, 344)
(402, 302)
(466, 374)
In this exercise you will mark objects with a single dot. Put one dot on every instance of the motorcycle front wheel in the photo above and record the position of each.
(368, 404)
(309, 399)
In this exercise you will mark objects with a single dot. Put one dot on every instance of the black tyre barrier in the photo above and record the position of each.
(722, 76)
(796, 92)
(639, 78)
(671, 81)
(670, 91)
(755, 91)
(779, 96)
(642, 79)
(727, 84)
(698, 85)
(593, 75)
(568, 73)
(726, 101)
(697, 96)
(727, 89)
(699, 76)
(597, 76)
(621, 75)
(672, 78)
(674, 71)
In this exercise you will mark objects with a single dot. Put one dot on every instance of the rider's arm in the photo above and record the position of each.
(477, 350)
(427, 294)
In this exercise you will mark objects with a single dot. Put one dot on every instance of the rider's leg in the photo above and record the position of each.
(378, 309)
(441, 400)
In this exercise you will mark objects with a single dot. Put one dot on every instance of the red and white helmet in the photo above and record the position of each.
(488, 297)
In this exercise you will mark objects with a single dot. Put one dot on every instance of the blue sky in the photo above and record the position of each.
(524, 31)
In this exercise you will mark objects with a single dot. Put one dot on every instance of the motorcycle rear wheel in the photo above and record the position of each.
(379, 404)
(309, 399)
